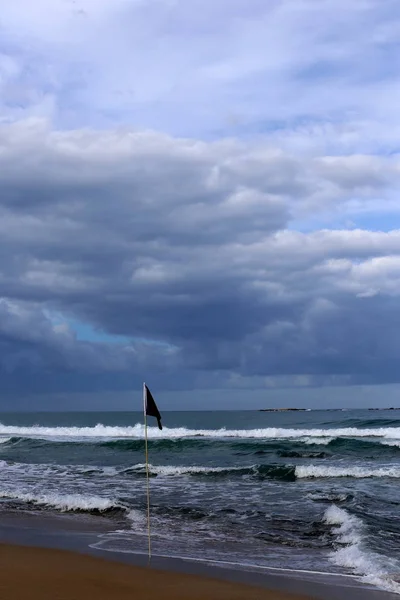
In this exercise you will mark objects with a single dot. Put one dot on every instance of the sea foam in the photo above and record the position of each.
(353, 552)
(63, 502)
(310, 471)
(101, 432)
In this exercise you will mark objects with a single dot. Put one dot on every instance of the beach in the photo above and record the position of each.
(48, 574)
(55, 557)
(300, 502)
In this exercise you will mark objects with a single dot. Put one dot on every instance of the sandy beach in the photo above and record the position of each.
(42, 574)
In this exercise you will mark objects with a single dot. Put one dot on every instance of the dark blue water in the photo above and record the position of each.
(314, 490)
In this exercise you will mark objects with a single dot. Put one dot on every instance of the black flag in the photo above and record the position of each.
(150, 407)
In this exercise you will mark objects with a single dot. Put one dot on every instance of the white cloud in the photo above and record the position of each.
(204, 178)
(319, 72)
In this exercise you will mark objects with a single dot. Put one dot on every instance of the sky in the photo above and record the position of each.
(203, 195)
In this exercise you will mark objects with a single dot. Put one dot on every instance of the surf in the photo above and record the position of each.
(101, 432)
(352, 550)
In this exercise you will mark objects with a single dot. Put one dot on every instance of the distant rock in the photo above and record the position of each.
(282, 409)
(391, 408)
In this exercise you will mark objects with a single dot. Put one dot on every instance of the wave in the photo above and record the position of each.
(392, 443)
(297, 448)
(267, 471)
(374, 447)
(314, 471)
(296, 454)
(380, 423)
(330, 497)
(187, 470)
(274, 471)
(65, 502)
(54, 442)
(155, 444)
(285, 472)
(315, 441)
(365, 423)
(351, 538)
(101, 432)
(348, 443)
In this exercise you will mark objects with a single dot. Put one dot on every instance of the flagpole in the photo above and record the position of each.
(147, 470)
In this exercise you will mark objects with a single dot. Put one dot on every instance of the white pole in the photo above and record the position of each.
(147, 469)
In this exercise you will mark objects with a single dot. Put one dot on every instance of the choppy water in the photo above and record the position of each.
(310, 490)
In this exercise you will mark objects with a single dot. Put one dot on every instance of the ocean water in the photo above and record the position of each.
(314, 491)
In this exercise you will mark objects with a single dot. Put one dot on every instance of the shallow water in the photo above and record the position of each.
(306, 490)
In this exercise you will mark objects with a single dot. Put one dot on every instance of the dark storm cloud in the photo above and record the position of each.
(184, 248)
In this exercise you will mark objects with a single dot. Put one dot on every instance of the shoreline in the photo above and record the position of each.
(37, 534)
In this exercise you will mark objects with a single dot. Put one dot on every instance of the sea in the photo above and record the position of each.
(314, 491)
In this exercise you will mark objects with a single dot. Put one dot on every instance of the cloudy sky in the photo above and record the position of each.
(202, 194)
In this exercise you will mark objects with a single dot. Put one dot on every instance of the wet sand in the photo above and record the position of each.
(59, 556)
(44, 574)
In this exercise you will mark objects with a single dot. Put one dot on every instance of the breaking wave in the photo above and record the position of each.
(297, 448)
(352, 552)
(285, 472)
(65, 503)
(310, 471)
(104, 432)
(392, 443)
(271, 471)
(330, 497)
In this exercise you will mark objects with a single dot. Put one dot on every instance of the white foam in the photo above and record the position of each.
(350, 527)
(301, 471)
(169, 470)
(180, 470)
(327, 497)
(317, 441)
(100, 431)
(32, 468)
(53, 470)
(42, 470)
(67, 502)
(395, 443)
(211, 561)
(137, 518)
(4, 440)
(351, 532)
(308, 471)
